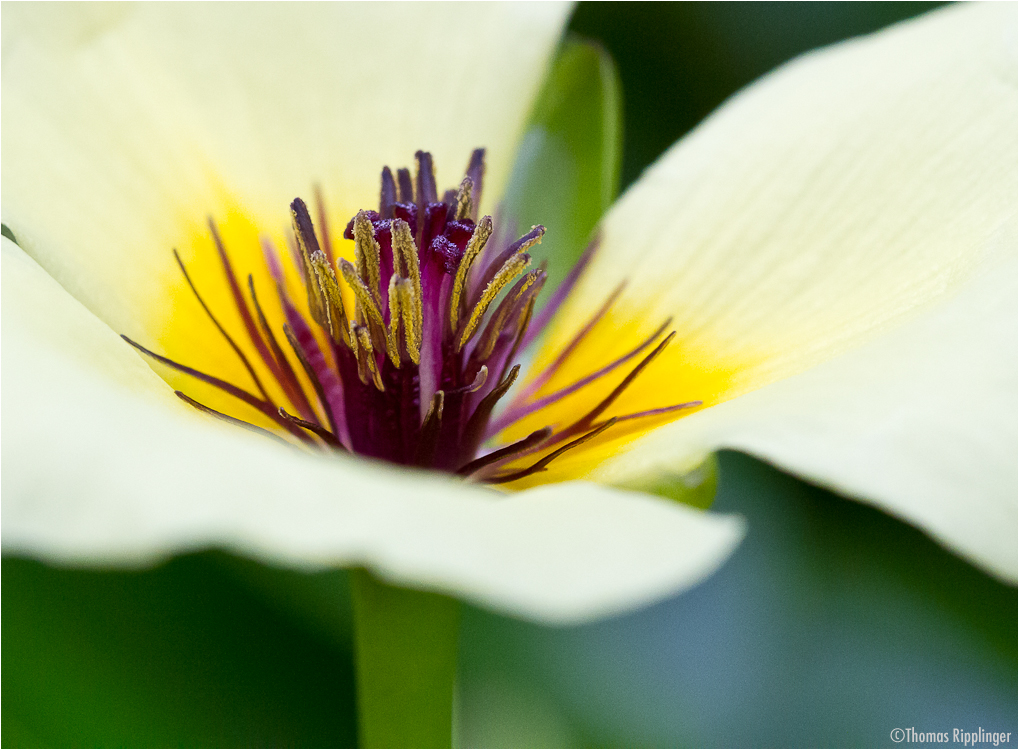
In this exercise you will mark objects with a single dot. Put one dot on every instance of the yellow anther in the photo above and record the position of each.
(392, 334)
(371, 312)
(498, 322)
(512, 268)
(411, 314)
(352, 335)
(366, 358)
(332, 301)
(316, 302)
(474, 247)
(405, 255)
(316, 305)
(367, 253)
(464, 199)
(532, 241)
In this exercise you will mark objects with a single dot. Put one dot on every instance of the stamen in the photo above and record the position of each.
(233, 390)
(426, 191)
(239, 302)
(521, 446)
(474, 431)
(428, 442)
(229, 339)
(366, 358)
(272, 262)
(488, 339)
(331, 387)
(411, 314)
(514, 414)
(406, 186)
(521, 332)
(387, 195)
(372, 314)
(656, 412)
(328, 437)
(227, 418)
(509, 271)
(329, 290)
(238, 393)
(475, 385)
(367, 253)
(392, 340)
(563, 291)
(542, 463)
(291, 385)
(304, 358)
(585, 421)
(307, 245)
(553, 368)
(476, 173)
(464, 204)
(407, 252)
(522, 245)
(474, 247)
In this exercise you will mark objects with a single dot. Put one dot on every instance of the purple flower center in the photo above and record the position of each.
(414, 372)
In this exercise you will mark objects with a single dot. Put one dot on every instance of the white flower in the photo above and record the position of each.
(836, 248)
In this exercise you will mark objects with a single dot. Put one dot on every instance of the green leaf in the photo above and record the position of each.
(176, 656)
(567, 169)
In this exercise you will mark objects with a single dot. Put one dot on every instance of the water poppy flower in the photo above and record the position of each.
(834, 249)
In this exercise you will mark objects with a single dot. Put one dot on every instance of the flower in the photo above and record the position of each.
(835, 247)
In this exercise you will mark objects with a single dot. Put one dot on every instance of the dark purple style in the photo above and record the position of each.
(414, 372)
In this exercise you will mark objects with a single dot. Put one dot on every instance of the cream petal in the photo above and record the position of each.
(857, 208)
(97, 472)
(126, 125)
(920, 422)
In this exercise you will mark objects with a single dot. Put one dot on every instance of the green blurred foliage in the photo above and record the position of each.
(567, 169)
(183, 655)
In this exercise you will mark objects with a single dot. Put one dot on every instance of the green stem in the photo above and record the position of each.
(405, 645)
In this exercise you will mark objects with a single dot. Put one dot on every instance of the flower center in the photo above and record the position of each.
(405, 353)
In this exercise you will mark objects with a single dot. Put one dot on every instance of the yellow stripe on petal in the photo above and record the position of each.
(185, 333)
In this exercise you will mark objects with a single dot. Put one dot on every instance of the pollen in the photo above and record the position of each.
(406, 349)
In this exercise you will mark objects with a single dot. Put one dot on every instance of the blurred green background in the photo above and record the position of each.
(831, 625)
